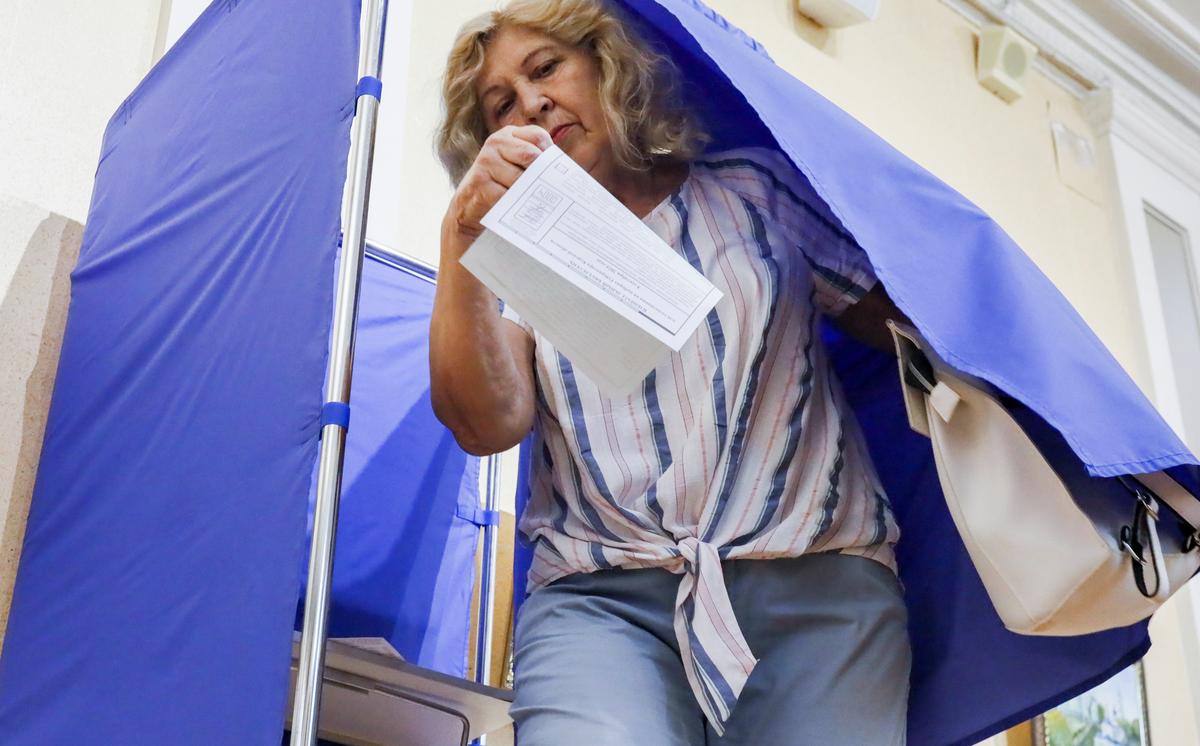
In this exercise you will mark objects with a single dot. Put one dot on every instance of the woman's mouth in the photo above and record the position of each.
(559, 132)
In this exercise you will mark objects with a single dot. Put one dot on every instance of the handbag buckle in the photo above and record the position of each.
(1149, 503)
(1191, 541)
(1142, 538)
(1131, 546)
(1144, 496)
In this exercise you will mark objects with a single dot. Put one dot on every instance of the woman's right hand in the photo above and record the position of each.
(503, 158)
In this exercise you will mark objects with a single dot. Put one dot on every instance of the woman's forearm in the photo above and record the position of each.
(481, 382)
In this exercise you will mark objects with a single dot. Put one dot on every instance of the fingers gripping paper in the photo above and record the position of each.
(587, 274)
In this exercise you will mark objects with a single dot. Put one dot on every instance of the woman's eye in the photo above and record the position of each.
(503, 108)
(544, 70)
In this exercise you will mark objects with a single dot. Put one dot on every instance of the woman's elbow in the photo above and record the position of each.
(486, 443)
(481, 434)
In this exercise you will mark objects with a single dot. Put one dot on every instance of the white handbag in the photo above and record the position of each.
(1059, 552)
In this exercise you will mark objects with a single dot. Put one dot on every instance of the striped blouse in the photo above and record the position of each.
(741, 445)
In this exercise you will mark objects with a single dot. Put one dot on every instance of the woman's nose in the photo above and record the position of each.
(534, 103)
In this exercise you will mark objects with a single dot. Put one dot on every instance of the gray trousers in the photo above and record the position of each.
(596, 661)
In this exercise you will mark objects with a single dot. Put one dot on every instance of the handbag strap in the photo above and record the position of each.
(1145, 525)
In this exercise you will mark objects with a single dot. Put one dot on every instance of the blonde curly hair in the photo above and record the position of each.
(638, 87)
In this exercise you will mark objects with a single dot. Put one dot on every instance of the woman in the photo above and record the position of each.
(713, 554)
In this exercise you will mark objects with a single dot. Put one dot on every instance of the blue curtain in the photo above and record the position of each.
(408, 521)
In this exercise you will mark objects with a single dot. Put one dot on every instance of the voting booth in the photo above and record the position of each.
(203, 406)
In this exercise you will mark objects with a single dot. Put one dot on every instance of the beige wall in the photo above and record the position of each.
(65, 66)
(1173, 671)
(421, 197)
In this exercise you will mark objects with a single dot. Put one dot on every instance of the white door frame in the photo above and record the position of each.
(1144, 184)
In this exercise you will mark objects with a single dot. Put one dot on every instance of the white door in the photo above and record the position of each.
(1162, 220)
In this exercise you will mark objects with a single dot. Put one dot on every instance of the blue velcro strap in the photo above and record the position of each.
(335, 413)
(369, 86)
(479, 516)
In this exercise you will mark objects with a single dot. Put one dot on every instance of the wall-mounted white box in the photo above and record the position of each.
(1003, 61)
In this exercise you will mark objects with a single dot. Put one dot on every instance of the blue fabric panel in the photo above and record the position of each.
(405, 556)
(157, 584)
(967, 272)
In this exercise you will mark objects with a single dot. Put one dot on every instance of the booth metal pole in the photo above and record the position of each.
(487, 579)
(487, 587)
(306, 705)
(487, 584)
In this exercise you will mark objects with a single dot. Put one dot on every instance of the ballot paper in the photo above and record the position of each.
(588, 274)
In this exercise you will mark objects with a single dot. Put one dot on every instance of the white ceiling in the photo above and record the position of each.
(1166, 33)
(1188, 9)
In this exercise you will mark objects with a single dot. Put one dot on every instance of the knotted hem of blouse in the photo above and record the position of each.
(716, 658)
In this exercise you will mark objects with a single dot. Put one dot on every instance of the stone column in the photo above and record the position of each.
(38, 250)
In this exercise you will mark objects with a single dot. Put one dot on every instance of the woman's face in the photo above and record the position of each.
(530, 78)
